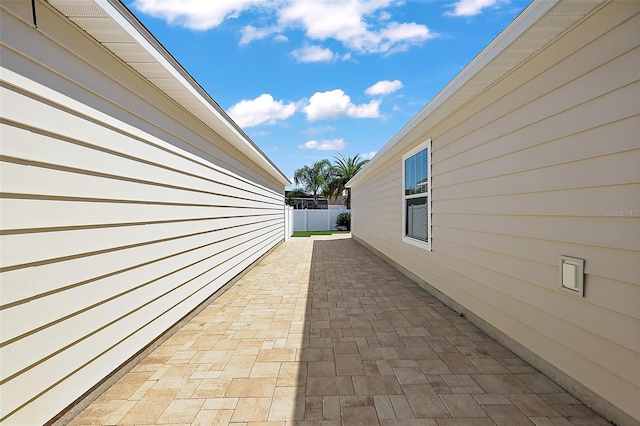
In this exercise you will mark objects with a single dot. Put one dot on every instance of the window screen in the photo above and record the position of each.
(417, 185)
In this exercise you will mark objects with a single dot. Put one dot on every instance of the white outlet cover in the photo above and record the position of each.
(572, 275)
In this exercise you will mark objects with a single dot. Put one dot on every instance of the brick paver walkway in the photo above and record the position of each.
(322, 332)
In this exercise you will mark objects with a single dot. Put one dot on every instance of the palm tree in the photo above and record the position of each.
(344, 169)
(314, 179)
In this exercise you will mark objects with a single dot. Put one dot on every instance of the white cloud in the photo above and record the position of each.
(251, 33)
(328, 105)
(263, 109)
(313, 53)
(352, 23)
(335, 103)
(384, 87)
(384, 16)
(318, 130)
(324, 145)
(368, 155)
(398, 37)
(196, 14)
(363, 26)
(470, 7)
(370, 110)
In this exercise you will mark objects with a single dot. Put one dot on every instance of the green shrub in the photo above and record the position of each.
(343, 221)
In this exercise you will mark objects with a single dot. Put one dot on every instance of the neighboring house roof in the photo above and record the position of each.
(111, 24)
(541, 23)
(332, 201)
(336, 201)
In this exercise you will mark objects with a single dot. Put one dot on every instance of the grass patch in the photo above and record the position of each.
(312, 233)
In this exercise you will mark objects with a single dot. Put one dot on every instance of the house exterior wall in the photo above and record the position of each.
(120, 213)
(542, 164)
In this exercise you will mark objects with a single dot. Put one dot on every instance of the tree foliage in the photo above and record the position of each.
(343, 221)
(343, 170)
(328, 179)
(314, 179)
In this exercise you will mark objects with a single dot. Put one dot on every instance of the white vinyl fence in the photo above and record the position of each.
(316, 220)
(288, 222)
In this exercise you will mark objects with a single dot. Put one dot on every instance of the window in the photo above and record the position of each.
(416, 184)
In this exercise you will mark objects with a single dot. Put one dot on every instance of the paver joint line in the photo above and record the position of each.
(322, 330)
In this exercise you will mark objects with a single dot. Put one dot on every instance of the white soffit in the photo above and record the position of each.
(111, 24)
(536, 27)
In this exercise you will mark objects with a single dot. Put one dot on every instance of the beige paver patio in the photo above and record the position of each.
(324, 332)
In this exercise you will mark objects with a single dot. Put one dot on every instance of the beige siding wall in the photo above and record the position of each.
(526, 172)
(120, 214)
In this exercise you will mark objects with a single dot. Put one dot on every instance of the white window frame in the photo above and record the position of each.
(427, 245)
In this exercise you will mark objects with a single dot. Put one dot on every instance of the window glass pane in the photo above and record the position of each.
(416, 218)
(416, 172)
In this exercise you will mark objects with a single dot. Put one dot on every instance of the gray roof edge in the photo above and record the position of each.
(226, 127)
(135, 22)
(529, 16)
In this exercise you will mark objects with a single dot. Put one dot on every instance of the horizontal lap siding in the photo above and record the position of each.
(110, 234)
(380, 198)
(528, 171)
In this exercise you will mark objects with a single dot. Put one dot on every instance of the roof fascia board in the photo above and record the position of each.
(126, 20)
(518, 26)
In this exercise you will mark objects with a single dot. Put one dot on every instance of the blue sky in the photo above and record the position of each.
(309, 79)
